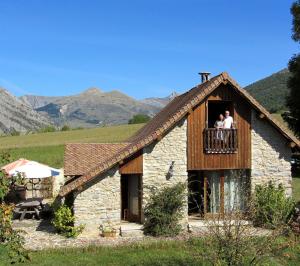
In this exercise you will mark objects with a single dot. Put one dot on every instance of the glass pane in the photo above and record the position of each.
(213, 191)
(235, 190)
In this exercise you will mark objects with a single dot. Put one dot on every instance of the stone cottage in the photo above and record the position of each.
(110, 182)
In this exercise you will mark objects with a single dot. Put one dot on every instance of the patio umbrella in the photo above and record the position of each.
(33, 169)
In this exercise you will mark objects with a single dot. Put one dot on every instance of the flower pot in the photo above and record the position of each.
(109, 234)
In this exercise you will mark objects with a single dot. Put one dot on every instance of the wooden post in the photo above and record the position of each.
(222, 192)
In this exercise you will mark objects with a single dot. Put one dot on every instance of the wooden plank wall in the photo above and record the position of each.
(197, 158)
(132, 165)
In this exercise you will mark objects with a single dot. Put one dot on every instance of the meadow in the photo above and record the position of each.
(48, 147)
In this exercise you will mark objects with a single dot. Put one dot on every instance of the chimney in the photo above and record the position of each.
(204, 76)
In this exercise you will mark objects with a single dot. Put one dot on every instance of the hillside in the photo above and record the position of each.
(271, 91)
(90, 108)
(17, 116)
(48, 148)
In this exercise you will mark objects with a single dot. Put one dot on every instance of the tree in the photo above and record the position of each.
(139, 118)
(293, 100)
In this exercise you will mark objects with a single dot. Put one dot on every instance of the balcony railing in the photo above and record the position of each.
(220, 140)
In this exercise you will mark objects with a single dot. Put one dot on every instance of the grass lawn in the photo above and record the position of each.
(48, 148)
(159, 253)
(296, 188)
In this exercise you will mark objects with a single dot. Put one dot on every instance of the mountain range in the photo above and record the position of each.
(15, 116)
(93, 107)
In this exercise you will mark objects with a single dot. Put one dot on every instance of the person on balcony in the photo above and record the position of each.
(228, 121)
(219, 124)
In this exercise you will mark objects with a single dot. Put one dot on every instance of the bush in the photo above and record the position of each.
(139, 119)
(164, 211)
(65, 128)
(64, 222)
(47, 129)
(10, 238)
(271, 208)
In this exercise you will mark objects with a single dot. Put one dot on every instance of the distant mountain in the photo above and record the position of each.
(271, 91)
(15, 115)
(90, 108)
(160, 102)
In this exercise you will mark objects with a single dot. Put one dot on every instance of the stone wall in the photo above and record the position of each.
(99, 202)
(160, 156)
(270, 155)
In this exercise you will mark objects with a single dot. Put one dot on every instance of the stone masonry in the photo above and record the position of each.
(160, 157)
(270, 155)
(99, 202)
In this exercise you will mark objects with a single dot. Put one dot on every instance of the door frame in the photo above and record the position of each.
(124, 182)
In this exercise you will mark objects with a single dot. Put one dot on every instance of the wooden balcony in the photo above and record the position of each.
(220, 140)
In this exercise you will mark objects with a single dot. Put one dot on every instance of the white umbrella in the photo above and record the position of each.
(35, 170)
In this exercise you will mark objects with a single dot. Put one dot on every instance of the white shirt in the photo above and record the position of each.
(228, 121)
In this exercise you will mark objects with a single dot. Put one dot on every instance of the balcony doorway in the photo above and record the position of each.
(215, 108)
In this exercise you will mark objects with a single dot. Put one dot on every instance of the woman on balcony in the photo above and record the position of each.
(219, 124)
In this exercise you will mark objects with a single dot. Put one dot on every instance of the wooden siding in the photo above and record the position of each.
(197, 158)
(132, 165)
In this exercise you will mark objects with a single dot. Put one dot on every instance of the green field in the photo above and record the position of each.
(157, 253)
(48, 148)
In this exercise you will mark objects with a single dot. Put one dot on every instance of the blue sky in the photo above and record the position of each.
(143, 48)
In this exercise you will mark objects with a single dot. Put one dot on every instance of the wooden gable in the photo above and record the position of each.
(197, 122)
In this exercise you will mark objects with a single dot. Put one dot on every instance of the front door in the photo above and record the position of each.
(131, 197)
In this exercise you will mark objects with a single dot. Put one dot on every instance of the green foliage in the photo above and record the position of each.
(4, 182)
(271, 208)
(14, 133)
(47, 129)
(295, 10)
(139, 119)
(164, 211)
(65, 128)
(4, 186)
(10, 238)
(292, 117)
(64, 222)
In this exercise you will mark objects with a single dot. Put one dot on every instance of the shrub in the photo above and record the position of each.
(10, 238)
(65, 128)
(14, 132)
(271, 207)
(139, 118)
(64, 222)
(47, 129)
(164, 211)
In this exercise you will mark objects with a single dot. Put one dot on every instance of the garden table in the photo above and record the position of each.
(31, 206)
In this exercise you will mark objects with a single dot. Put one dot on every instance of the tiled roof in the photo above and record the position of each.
(166, 119)
(82, 157)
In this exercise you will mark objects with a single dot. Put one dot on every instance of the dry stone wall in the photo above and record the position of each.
(165, 162)
(99, 202)
(270, 155)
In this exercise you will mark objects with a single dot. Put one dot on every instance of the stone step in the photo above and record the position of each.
(132, 233)
(131, 230)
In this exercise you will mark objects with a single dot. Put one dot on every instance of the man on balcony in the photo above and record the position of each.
(228, 121)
